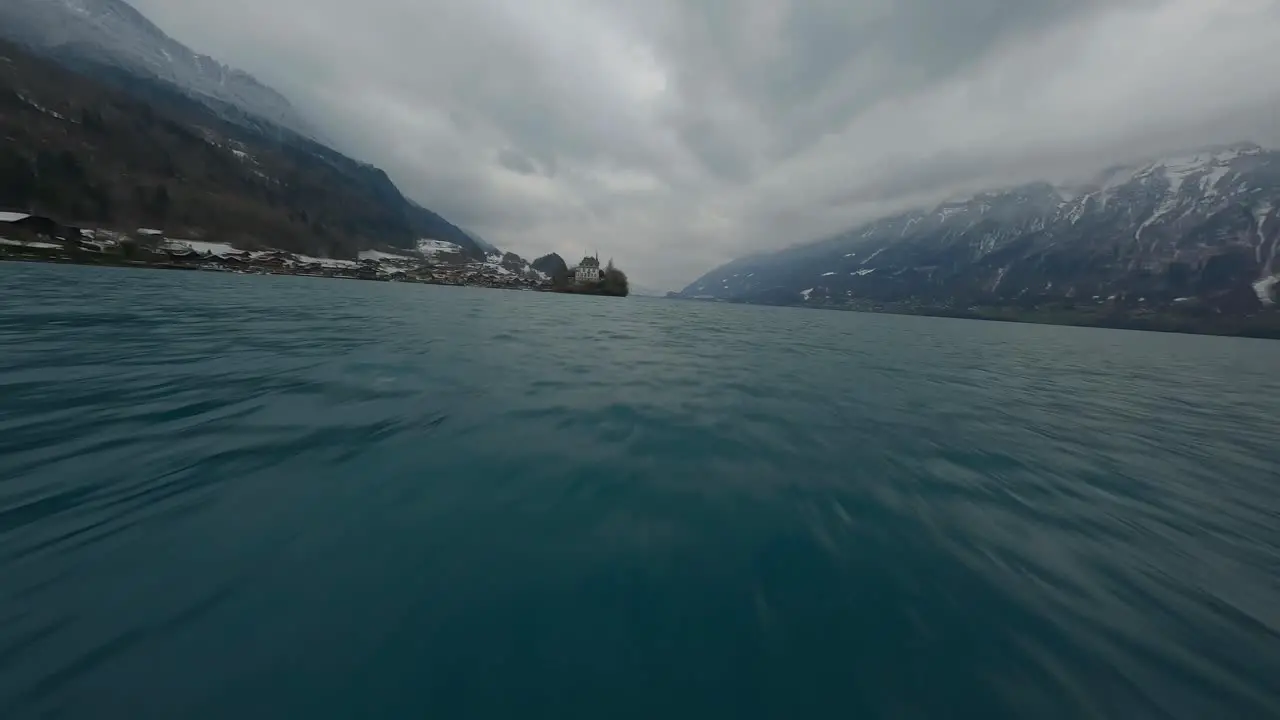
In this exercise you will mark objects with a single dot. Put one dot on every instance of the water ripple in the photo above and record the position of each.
(232, 496)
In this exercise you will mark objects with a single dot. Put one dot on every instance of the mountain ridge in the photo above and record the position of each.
(1202, 224)
(140, 152)
(110, 43)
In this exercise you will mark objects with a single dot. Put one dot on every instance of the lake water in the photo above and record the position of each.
(244, 497)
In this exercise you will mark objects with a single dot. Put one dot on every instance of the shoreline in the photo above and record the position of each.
(1257, 327)
(110, 262)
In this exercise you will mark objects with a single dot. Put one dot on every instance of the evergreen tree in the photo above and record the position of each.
(160, 202)
(17, 180)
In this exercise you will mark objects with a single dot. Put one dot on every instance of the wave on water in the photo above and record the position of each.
(241, 496)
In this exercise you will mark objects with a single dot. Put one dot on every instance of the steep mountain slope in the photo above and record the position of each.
(1203, 226)
(92, 34)
(483, 244)
(88, 152)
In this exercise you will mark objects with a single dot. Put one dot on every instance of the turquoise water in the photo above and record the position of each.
(226, 496)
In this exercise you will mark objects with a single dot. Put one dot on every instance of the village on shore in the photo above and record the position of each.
(41, 239)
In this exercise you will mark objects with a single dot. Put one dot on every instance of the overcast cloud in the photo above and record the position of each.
(674, 135)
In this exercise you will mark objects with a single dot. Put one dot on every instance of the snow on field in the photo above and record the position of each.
(12, 216)
(379, 256)
(150, 231)
(495, 266)
(434, 247)
(806, 293)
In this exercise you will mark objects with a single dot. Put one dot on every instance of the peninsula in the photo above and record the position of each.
(34, 238)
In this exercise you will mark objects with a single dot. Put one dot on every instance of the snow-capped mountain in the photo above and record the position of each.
(113, 34)
(1204, 224)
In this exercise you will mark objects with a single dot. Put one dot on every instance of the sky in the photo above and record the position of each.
(676, 135)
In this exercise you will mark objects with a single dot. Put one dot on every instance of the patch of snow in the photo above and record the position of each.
(242, 155)
(828, 274)
(40, 107)
(1115, 180)
(435, 247)
(30, 244)
(1178, 169)
(1209, 183)
(910, 223)
(1165, 208)
(10, 217)
(150, 231)
(1078, 212)
(378, 255)
(326, 262)
(1259, 219)
(99, 238)
(865, 272)
(208, 248)
(95, 246)
(999, 278)
(850, 254)
(806, 293)
(1263, 288)
(873, 255)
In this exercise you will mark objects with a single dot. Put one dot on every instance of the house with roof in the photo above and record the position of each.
(588, 270)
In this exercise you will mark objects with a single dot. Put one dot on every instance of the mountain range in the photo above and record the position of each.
(1201, 228)
(134, 127)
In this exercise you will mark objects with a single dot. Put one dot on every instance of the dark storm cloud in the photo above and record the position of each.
(676, 134)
